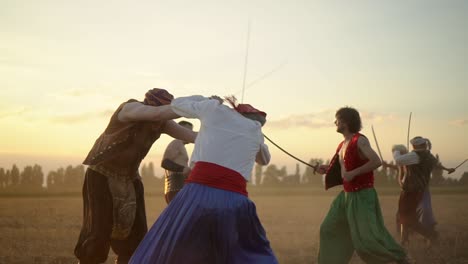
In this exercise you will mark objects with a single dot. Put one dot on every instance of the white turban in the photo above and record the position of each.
(418, 141)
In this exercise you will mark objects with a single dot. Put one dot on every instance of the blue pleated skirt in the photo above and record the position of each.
(206, 225)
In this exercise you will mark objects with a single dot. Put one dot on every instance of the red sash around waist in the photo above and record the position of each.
(216, 176)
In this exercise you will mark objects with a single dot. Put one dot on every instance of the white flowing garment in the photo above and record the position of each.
(224, 133)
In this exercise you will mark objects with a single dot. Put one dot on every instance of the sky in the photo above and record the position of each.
(66, 65)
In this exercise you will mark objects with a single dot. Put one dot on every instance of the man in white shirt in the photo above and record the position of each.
(211, 220)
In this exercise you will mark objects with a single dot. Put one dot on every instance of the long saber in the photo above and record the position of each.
(264, 76)
(261, 78)
(409, 126)
(246, 60)
(377, 143)
(461, 164)
(315, 167)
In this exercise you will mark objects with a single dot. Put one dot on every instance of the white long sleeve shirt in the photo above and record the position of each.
(226, 137)
(405, 159)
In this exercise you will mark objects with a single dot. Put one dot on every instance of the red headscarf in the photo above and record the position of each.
(243, 108)
(158, 97)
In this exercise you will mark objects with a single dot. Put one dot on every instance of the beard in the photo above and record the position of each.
(340, 129)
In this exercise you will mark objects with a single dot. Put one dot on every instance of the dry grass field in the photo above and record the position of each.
(44, 229)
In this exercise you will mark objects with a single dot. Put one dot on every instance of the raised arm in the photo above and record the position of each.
(449, 170)
(405, 159)
(177, 131)
(194, 106)
(373, 163)
(136, 111)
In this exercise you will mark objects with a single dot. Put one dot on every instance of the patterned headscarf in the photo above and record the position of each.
(419, 141)
(158, 97)
(243, 108)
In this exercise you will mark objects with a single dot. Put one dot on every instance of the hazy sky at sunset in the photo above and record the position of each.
(66, 65)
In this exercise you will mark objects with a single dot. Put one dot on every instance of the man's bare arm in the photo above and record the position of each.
(170, 155)
(401, 175)
(449, 170)
(173, 149)
(177, 131)
(136, 111)
(373, 163)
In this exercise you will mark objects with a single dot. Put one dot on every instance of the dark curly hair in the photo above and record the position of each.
(350, 117)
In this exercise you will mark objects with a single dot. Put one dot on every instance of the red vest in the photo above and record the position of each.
(351, 162)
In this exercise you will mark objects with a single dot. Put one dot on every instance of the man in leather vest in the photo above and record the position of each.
(114, 209)
(175, 163)
(354, 221)
(419, 164)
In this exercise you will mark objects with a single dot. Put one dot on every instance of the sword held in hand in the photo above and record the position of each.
(461, 164)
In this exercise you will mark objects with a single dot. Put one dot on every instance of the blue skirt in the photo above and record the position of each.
(426, 216)
(206, 225)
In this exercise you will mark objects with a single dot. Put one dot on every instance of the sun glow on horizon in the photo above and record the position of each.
(66, 66)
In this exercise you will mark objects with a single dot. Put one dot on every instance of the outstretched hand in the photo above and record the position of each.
(451, 170)
(322, 169)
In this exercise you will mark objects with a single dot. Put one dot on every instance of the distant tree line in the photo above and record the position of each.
(70, 177)
(66, 177)
(271, 175)
(32, 177)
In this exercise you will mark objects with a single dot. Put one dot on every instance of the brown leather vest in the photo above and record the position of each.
(123, 145)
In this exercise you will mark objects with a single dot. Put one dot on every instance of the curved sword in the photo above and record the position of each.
(461, 164)
(315, 167)
(377, 143)
(409, 126)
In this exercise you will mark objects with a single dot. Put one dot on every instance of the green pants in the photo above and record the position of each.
(355, 222)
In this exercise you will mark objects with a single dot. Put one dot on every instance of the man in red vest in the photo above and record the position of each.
(354, 221)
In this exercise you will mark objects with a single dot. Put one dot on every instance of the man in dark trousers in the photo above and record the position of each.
(113, 203)
(419, 164)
